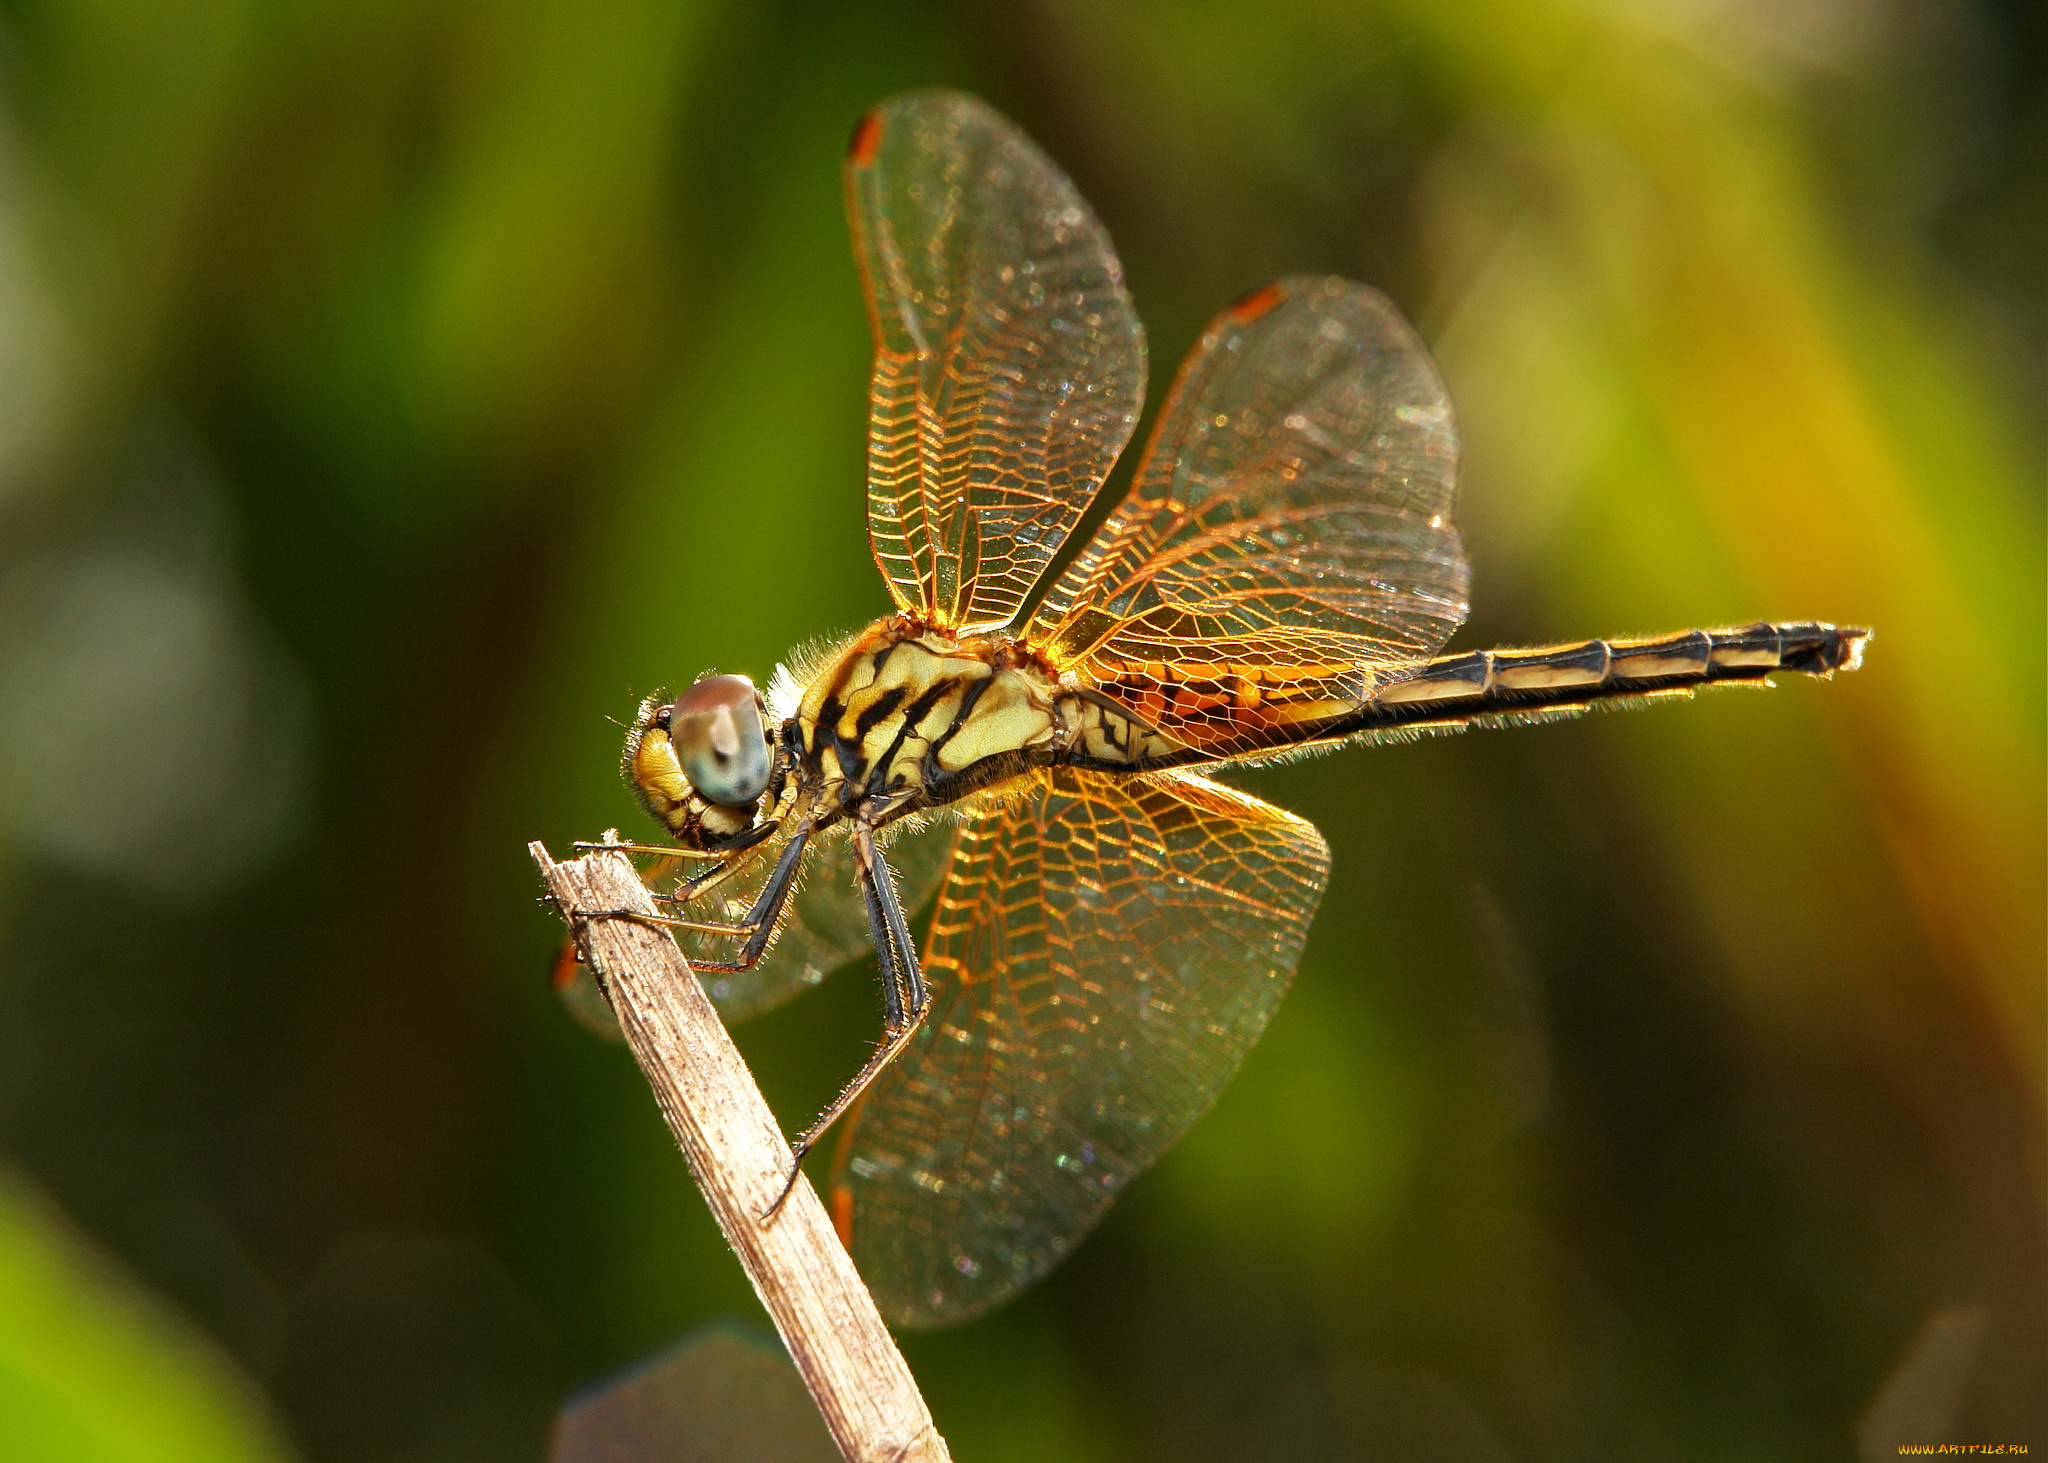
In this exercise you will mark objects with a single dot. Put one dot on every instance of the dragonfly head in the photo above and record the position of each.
(701, 762)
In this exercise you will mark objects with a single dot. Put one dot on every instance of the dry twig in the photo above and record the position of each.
(737, 1154)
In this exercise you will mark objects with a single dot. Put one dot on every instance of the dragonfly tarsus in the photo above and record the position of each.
(673, 851)
(796, 1171)
(892, 1046)
(760, 921)
(758, 926)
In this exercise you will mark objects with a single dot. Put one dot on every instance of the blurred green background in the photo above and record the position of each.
(391, 393)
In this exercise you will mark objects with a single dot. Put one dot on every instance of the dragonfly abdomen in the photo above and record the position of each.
(1456, 690)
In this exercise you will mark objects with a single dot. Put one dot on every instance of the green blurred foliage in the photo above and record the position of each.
(94, 1371)
(396, 392)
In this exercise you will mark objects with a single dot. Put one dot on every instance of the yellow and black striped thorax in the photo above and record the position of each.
(906, 715)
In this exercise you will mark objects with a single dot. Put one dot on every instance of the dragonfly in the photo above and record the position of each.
(1028, 749)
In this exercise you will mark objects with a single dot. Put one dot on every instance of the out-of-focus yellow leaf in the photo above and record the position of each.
(94, 1369)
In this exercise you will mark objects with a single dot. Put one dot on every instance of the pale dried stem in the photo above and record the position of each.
(737, 1154)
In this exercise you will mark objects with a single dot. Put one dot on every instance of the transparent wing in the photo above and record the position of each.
(1288, 540)
(824, 923)
(1009, 365)
(1103, 954)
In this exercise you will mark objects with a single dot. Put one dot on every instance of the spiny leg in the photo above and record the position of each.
(671, 851)
(701, 884)
(725, 864)
(758, 926)
(905, 996)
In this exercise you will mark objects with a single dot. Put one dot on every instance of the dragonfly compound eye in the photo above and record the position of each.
(721, 740)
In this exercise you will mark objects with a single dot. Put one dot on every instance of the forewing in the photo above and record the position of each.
(1288, 538)
(1103, 954)
(824, 923)
(1009, 364)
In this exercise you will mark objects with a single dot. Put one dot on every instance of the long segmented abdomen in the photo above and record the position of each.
(1490, 686)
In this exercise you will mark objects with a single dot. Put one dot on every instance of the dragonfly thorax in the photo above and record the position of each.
(907, 715)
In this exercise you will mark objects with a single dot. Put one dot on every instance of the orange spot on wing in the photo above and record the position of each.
(568, 965)
(842, 1215)
(1250, 307)
(867, 136)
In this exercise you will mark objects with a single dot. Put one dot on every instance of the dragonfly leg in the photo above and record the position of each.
(671, 851)
(666, 859)
(905, 996)
(753, 838)
(759, 924)
(698, 884)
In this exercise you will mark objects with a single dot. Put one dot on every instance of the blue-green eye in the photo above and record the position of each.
(721, 741)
